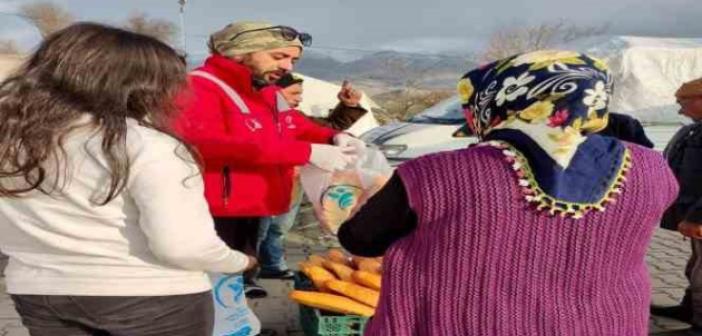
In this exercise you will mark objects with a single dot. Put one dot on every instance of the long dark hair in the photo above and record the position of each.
(90, 69)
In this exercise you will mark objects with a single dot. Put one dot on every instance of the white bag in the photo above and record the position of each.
(233, 317)
(336, 196)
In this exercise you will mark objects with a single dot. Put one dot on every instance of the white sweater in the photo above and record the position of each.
(156, 238)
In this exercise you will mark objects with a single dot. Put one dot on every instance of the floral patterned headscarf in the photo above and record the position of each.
(545, 106)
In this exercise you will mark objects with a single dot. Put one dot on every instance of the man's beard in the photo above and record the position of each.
(261, 77)
(272, 76)
(261, 80)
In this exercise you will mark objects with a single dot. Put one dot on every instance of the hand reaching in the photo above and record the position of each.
(349, 96)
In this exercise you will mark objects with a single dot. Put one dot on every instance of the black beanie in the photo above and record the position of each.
(288, 80)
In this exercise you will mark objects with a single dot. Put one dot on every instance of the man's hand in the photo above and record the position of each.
(690, 229)
(349, 96)
(331, 158)
(350, 144)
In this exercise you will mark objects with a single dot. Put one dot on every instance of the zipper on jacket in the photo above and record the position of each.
(276, 118)
(226, 185)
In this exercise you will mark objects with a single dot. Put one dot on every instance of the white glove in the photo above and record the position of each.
(330, 158)
(350, 145)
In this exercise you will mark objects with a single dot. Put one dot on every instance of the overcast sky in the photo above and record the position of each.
(404, 25)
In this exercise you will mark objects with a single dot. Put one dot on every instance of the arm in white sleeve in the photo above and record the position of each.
(173, 212)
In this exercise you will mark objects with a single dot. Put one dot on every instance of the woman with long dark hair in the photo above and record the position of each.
(102, 211)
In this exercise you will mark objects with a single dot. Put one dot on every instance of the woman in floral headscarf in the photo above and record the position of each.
(540, 229)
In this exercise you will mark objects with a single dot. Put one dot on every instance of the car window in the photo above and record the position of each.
(448, 111)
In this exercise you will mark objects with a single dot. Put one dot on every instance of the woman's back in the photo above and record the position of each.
(65, 243)
(102, 210)
(482, 262)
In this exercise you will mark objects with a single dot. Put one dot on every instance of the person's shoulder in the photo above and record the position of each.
(145, 142)
(201, 84)
(619, 117)
(483, 152)
(620, 120)
(695, 131)
(649, 170)
(640, 153)
(688, 128)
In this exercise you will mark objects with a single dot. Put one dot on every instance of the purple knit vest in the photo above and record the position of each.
(482, 262)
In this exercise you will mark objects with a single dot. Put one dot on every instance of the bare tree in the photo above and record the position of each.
(405, 103)
(413, 96)
(572, 32)
(161, 29)
(412, 76)
(48, 17)
(9, 47)
(513, 40)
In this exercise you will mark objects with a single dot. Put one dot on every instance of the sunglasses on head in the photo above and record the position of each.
(288, 33)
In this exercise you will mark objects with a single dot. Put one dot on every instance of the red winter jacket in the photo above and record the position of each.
(249, 157)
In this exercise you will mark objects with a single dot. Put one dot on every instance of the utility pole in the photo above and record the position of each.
(182, 25)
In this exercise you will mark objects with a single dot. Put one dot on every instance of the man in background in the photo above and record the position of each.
(684, 155)
(273, 229)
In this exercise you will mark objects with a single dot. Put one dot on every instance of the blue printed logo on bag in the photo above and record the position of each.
(232, 315)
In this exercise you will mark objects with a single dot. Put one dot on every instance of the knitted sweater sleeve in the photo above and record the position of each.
(384, 219)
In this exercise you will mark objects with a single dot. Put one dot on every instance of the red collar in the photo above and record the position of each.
(234, 74)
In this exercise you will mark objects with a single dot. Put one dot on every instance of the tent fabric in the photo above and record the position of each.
(647, 71)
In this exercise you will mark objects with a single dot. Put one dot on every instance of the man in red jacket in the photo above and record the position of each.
(248, 160)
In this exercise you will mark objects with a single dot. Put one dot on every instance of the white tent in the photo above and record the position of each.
(319, 97)
(647, 71)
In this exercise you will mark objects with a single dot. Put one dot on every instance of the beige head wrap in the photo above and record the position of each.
(254, 40)
(690, 89)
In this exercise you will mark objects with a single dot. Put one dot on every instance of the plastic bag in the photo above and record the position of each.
(335, 196)
(233, 317)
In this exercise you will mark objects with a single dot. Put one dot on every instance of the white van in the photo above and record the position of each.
(439, 128)
(442, 128)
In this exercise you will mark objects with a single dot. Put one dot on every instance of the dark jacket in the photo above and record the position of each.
(627, 128)
(341, 117)
(684, 155)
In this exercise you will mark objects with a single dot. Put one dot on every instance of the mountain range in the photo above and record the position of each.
(387, 70)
